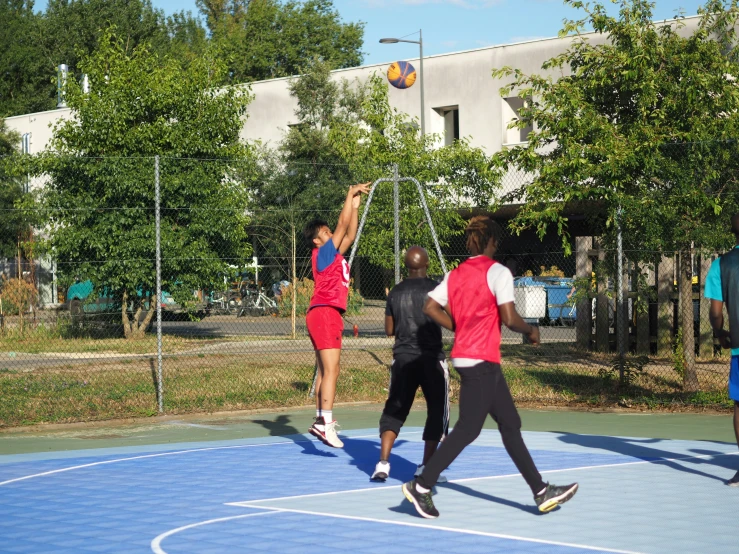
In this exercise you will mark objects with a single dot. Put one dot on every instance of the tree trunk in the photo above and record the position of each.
(685, 307)
(132, 329)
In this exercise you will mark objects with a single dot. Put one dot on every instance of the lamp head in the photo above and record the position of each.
(389, 41)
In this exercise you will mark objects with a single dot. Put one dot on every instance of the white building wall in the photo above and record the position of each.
(462, 79)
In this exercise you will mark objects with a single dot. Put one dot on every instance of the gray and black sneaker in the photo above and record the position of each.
(734, 481)
(421, 500)
(553, 496)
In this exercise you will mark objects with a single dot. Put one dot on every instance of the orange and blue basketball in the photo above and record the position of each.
(401, 74)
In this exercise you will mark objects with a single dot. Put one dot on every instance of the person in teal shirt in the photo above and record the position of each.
(722, 287)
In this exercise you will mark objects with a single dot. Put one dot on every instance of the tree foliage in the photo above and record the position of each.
(34, 44)
(265, 39)
(25, 83)
(640, 119)
(643, 118)
(13, 223)
(100, 195)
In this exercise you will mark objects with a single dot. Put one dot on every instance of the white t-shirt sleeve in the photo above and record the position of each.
(441, 293)
(500, 283)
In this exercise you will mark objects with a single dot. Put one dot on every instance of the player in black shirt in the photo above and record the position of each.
(418, 360)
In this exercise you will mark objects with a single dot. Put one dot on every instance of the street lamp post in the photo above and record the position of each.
(420, 46)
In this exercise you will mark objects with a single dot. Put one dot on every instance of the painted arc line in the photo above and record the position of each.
(447, 529)
(156, 543)
(161, 454)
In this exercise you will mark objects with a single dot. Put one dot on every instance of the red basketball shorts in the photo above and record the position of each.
(325, 327)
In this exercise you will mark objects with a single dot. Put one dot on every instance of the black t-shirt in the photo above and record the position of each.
(415, 332)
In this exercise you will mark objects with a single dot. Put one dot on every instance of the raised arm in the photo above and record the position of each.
(345, 217)
(351, 232)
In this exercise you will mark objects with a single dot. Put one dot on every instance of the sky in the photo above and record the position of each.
(451, 25)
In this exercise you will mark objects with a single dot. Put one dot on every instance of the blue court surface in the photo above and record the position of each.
(293, 494)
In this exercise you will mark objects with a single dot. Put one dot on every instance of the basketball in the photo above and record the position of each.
(401, 74)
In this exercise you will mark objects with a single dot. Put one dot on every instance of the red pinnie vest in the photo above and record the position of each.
(475, 311)
(332, 284)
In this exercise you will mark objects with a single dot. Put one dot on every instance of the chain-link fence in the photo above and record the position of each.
(144, 286)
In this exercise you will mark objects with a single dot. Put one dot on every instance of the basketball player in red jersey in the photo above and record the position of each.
(473, 301)
(324, 322)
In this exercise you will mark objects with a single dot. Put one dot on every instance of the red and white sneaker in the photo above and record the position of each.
(326, 432)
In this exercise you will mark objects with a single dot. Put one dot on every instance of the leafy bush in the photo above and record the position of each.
(633, 367)
(304, 292)
(553, 271)
(17, 296)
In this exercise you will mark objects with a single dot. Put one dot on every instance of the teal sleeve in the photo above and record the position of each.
(713, 289)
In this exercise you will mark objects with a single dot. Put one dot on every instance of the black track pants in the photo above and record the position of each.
(484, 391)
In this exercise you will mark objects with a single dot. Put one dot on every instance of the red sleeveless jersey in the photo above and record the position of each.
(332, 284)
(475, 311)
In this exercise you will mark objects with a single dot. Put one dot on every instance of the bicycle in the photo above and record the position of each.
(255, 302)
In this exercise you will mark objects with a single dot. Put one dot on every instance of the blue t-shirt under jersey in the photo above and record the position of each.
(326, 255)
(714, 290)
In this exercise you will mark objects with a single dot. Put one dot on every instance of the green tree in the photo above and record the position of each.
(13, 224)
(642, 122)
(266, 39)
(100, 197)
(25, 82)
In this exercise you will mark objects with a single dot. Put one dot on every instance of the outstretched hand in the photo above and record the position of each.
(361, 188)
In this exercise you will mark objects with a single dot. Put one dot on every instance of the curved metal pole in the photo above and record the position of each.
(428, 218)
(364, 217)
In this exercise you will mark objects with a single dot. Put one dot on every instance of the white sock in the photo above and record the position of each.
(542, 491)
(421, 489)
(318, 412)
(328, 416)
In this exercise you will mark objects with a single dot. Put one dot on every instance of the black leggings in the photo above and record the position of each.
(483, 391)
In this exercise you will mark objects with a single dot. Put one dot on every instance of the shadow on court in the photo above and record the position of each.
(280, 427)
(366, 453)
(529, 508)
(644, 449)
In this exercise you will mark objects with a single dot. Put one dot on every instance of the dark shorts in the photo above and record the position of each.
(325, 327)
(734, 379)
(408, 372)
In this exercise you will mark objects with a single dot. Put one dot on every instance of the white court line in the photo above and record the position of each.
(156, 543)
(157, 549)
(105, 462)
(249, 503)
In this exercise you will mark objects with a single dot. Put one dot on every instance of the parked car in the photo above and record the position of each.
(81, 300)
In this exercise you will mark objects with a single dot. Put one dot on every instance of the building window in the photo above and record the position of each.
(450, 118)
(511, 114)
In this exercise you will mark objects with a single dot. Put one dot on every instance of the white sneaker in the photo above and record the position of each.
(382, 470)
(419, 471)
(330, 437)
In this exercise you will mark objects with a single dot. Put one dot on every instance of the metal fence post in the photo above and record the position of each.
(396, 220)
(620, 339)
(158, 225)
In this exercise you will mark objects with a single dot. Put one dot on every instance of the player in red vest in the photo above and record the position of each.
(473, 301)
(324, 322)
